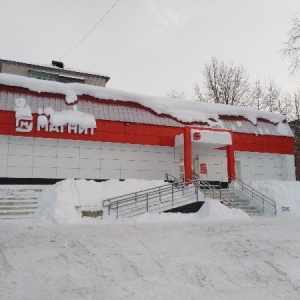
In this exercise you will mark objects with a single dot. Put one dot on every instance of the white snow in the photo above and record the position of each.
(206, 255)
(239, 124)
(286, 194)
(22, 109)
(58, 202)
(186, 111)
(71, 116)
(282, 129)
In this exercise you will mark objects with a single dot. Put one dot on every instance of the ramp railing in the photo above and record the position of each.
(266, 204)
(152, 200)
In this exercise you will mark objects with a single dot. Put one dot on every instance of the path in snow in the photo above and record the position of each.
(236, 259)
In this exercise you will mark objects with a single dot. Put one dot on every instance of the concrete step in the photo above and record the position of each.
(17, 202)
(16, 213)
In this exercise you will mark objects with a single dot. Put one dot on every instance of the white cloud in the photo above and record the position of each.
(178, 12)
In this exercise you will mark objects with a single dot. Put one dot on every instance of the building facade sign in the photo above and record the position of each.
(67, 121)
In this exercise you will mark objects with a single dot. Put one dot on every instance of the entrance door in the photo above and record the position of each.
(195, 166)
(238, 169)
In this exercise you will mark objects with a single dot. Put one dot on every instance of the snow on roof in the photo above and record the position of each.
(183, 110)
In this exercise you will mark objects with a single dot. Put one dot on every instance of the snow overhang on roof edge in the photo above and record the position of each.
(183, 110)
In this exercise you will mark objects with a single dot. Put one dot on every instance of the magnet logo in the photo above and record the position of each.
(23, 124)
(196, 136)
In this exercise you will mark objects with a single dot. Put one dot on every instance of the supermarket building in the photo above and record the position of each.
(52, 130)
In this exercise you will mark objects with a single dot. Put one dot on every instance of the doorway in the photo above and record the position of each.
(195, 166)
(238, 169)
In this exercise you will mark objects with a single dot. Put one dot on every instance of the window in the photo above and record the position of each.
(55, 77)
(43, 75)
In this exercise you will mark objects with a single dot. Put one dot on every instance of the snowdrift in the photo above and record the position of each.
(58, 202)
(286, 195)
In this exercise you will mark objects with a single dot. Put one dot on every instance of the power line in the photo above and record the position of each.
(91, 29)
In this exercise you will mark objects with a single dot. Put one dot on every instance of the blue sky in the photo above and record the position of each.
(151, 46)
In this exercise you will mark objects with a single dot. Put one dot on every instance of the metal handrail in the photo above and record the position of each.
(154, 199)
(255, 197)
(173, 179)
(205, 185)
(106, 202)
(158, 198)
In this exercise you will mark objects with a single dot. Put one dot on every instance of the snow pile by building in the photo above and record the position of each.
(286, 195)
(57, 203)
(213, 209)
(210, 210)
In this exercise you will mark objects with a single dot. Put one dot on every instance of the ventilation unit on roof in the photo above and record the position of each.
(58, 64)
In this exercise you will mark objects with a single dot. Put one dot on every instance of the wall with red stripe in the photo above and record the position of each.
(143, 134)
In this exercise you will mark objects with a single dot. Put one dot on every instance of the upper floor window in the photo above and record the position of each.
(55, 77)
(43, 75)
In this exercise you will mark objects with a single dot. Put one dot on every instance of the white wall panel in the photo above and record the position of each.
(149, 175)
(19, 160)
(110, 164)
(19, 172)
(3, 148)
(129, 155)
(90, 153)
(47, 162)
(148, 166)
(17, 149)
(110, 174)
(89, 173)
(45, 151)
(148, 156)
(68, 152)
(40, 172)
(89, 144)
(132, 174)
(89, 163)
(110, 153)
(67, 173)
(68, 143)
(290, 167)
(129, 147)
(3, 169)
(45, 142)
(21, 140)
(67, 162)
(130, 165)
(4, 139)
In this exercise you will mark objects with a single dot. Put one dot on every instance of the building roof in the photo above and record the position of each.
(181, 111)
(55, 69)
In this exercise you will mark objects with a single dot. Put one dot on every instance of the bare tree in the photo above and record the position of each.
(198, 94)
(257, 95)
(296, 105)
(225, 84)
(175, 93)
(271, 96)
(291, 48)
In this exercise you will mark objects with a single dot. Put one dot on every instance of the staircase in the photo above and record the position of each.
(18, 202)
(241, 203)
(250, 200)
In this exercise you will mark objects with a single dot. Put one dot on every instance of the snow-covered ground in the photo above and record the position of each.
(213, 254)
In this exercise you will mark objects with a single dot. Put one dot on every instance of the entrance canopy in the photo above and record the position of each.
(206, 139)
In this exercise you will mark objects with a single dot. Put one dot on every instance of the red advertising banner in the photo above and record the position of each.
(203, 169)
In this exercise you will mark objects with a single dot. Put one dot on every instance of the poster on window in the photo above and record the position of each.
(203, 169)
